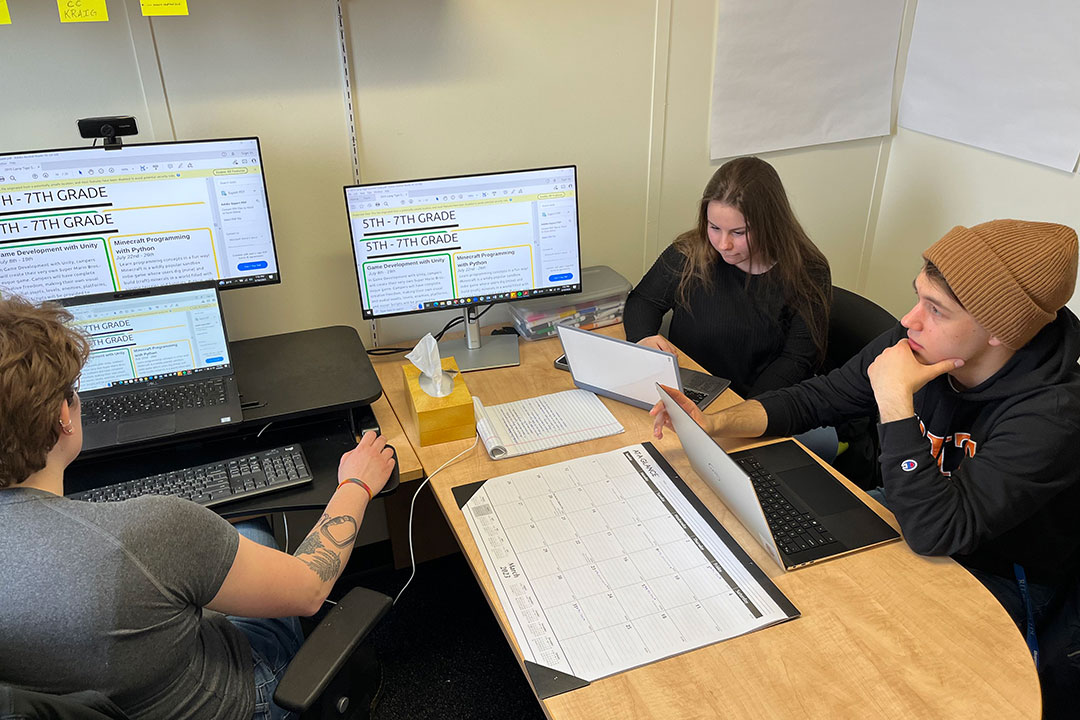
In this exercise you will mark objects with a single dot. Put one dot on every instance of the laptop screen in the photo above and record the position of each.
(723, 476)
(151, 337)
(616, 368)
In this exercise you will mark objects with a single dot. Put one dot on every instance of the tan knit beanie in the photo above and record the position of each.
(1011, 275)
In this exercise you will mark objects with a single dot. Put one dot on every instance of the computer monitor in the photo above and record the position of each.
(464, 241)
(81, 221)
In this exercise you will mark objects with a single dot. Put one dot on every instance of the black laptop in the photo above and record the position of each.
(798, 512)
(159, 364)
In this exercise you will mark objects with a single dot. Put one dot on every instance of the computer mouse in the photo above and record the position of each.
(395, 477)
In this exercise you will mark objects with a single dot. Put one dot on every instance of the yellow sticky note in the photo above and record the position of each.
(5, 16)
(73, 11)
(163, 7)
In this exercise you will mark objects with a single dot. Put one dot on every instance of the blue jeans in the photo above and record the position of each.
(878, 494)
(822, 442)
(274, 641)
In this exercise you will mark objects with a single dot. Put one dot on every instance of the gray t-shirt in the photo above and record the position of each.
(110, 596)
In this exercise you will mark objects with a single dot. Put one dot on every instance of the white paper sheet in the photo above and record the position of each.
(791, 73)
(601, 565)
(998, 75)
(541, 423)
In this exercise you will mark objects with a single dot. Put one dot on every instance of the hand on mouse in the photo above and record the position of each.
(370, 461)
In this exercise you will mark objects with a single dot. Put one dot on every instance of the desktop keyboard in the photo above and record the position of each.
(168, 397)
(793, 530)
(216, 483)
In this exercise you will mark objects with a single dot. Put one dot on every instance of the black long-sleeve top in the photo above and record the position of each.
(989, 475)
(737, 330)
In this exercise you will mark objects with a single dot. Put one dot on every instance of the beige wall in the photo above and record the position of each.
(271, 68)
(934, 184)
(830, 186)
(440, 87)
(622, 89)
(476, 85)
(456, 86)
(47, 82)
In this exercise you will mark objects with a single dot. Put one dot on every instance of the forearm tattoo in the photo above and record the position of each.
(325, 561)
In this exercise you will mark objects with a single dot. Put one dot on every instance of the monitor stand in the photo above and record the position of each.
(497, 350)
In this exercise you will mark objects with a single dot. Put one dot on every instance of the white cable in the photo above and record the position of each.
(412, 505)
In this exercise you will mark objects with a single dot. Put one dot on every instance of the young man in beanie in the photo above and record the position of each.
(977, 393)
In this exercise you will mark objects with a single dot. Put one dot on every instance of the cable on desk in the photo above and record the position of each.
(438, 336)
(412, 505)
(264, 427)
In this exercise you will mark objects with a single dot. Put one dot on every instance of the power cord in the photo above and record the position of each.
(412, 506)
(438, 336)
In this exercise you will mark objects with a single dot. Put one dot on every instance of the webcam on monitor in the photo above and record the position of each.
(109, 128)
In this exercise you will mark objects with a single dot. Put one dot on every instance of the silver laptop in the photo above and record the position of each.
(796, 510)
(628, 372)
(159, 364)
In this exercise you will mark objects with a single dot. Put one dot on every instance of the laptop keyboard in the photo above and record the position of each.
(159, 399)
(216, 483)
(793, 531)
(694, 395)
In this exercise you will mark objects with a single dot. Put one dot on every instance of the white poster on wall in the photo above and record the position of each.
(790, 74)
(997, 75)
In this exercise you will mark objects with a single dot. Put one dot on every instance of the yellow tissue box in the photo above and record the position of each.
(442, 419)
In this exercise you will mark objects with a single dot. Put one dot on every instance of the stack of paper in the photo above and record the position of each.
(541, 423)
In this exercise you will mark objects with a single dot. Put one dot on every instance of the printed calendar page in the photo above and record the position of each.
(603, 564)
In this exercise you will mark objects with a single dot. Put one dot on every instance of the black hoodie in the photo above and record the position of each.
(989, 475)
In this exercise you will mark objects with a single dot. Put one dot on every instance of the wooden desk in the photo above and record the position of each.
(409, 467)
(883, 632)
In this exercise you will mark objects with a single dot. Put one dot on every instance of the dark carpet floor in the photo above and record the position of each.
(442, 652)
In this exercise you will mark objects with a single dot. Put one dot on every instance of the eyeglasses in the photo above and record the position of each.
(74, 387)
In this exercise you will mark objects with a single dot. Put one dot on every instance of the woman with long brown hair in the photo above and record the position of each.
(749, 291)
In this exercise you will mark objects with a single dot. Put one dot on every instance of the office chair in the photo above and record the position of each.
(332, 676)
(853, 322)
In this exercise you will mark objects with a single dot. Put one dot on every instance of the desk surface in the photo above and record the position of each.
(883, 632)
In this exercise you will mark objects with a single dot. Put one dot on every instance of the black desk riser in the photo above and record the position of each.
(312, 387)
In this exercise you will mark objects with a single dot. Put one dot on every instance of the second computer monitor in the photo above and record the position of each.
(457, 242)
(81, 221)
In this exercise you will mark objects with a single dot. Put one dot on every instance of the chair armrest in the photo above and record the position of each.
(327, 650)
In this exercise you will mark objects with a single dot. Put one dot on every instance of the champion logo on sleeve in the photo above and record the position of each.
(908, 465)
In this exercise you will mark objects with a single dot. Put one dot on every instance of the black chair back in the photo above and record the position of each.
(853, 322)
